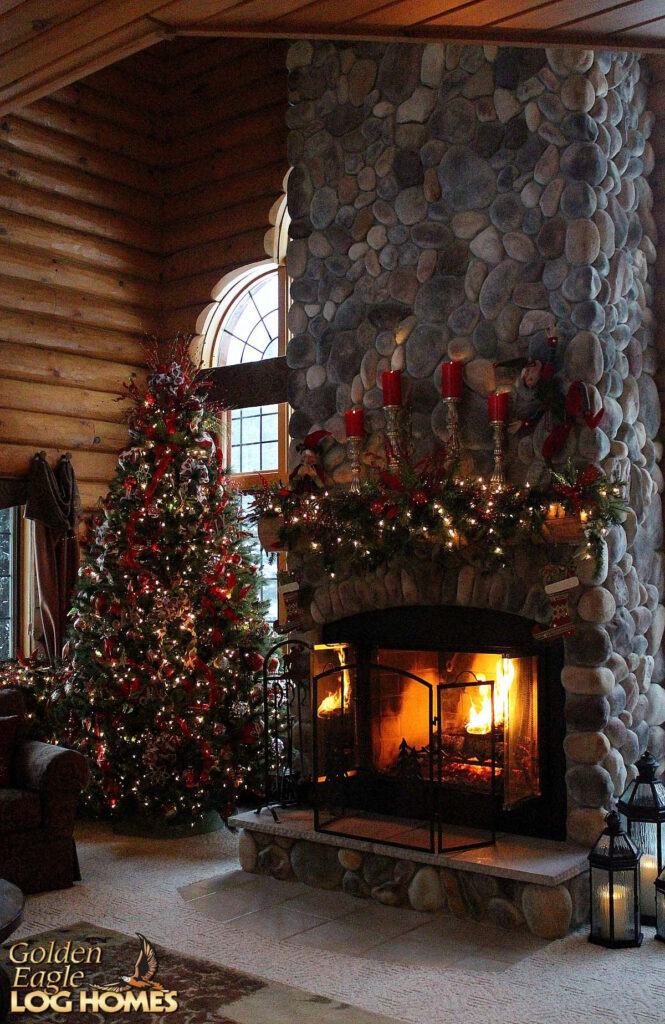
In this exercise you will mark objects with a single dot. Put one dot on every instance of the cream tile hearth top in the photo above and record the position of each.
(521, 858)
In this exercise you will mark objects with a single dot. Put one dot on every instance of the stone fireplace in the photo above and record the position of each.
(461, 202)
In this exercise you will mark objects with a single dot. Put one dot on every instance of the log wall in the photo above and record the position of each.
(123, 200)
(80, 262)
(224, 165)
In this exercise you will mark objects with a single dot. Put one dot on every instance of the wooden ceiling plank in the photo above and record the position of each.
(30, 20)
(562, 13)
(402, 13)
(479, 13)
(191, 12)
(626, 16)
(74, 66)
(653, 30)
(254, 11)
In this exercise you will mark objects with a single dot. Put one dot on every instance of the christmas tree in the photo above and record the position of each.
(160, 684)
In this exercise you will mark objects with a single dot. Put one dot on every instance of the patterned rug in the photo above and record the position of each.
(205, 993)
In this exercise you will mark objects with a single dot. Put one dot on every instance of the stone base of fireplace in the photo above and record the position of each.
(518, 882)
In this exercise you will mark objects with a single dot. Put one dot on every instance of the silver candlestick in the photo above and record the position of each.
(393, 434)
(498, 477)
(452, 418)
(354, 447)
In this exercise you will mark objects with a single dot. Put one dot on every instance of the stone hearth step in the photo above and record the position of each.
(519, 882)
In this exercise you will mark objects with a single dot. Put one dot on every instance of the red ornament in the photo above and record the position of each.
(252, 732)
(100, 603)
(255, 661)
(377, 507)
(189, 777)
(115, 609)
(419, 498)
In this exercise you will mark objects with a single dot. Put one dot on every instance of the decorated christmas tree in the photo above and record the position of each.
(160, 686)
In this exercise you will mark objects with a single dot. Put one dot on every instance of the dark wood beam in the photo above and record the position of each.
(246, 384)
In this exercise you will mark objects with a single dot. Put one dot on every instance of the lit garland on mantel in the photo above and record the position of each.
(434, 516)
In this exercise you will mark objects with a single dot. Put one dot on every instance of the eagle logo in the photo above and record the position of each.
(145, 970)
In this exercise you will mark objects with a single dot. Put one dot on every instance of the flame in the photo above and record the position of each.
(480, 718)
(331, 704)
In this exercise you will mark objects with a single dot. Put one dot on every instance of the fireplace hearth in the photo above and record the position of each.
(450, 717)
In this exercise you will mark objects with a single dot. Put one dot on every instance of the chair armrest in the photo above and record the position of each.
(47, 768)
(58, 775)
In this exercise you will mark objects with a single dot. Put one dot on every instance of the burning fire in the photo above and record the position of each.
(480, 718)
(331, 704)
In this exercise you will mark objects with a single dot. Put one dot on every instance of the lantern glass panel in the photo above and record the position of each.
(648, 795)
(622, 889)
(660, 915)
(645, 836)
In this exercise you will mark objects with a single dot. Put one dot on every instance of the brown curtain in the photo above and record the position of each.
(53, 503)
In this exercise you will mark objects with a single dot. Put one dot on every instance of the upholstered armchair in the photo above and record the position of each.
(38, 800)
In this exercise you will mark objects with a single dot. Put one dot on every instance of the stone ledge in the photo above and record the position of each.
(519, 858)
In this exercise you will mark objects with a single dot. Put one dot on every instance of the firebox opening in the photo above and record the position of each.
(446, 715)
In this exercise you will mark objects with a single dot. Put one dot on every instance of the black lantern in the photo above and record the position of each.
(643, 804)
(615, 888)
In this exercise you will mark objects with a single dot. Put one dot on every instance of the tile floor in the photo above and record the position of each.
(299, 915)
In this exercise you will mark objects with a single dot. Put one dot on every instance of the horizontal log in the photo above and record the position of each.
(206, 56)
(222, 139)
(70, 213)
(106, 135)
(39, 429)
(42, 366)
(66, 401)
(247, 384)
(182, 320)
(15, 460)
(234, 73)
(67, 336)
(120, 83)
(221, 107)
(73, 183)
(65, 149)
(104, 49)
(30, 233)
(267, 161)
(31, 265)
(82, 96)
(32, 297)
(250, 214)
(91, 493)
(212, 200)
(245, 248)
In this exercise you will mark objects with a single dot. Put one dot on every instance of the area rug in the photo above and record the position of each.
(200, 991)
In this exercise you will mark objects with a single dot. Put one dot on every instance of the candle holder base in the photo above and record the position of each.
(617, 943)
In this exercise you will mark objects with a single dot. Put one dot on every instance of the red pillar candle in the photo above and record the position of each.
(355, 426)
(392, 387)
(451, 379)
(497, 406)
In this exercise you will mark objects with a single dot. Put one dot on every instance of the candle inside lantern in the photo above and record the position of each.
(354, 419)
(451, 379)
(623, 902)
(584, 516)
(392, 387)
(648, 875)
(497, 406)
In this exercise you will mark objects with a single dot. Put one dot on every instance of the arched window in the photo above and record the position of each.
(248, 325)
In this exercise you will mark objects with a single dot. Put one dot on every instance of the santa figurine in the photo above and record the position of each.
(308, 476)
